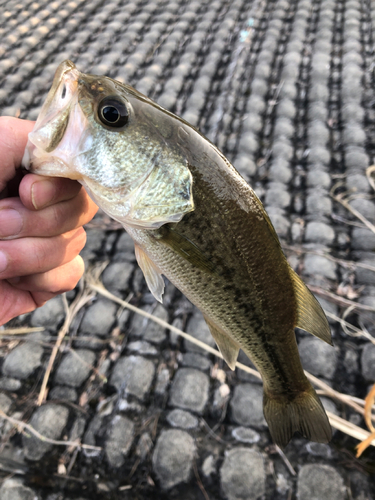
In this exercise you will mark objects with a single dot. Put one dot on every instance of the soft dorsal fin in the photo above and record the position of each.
(151, 273)
(227, 346)
(310, 315)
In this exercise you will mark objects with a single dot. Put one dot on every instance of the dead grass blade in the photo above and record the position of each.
(348, 428)
(81, 300)
(348, 328)
(99, 288)
(340, 198)
(285, 460)
(337, 299)
(21, 426)
(21, 330)
(351, 264)
(92, 368)
(199, 481)
(343, 398)
(336, 422)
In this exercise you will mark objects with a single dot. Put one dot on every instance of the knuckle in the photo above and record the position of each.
(6, 124)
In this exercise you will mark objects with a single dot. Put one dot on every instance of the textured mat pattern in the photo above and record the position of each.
(286, 90)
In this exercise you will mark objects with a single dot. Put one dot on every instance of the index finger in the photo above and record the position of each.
(13, 138)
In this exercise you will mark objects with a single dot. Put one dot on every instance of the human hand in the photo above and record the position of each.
(41, 231)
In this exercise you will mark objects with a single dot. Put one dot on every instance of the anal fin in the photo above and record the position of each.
(227, 346)
(151, 273)
(310, 315)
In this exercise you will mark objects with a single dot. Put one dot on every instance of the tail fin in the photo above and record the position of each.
(305, 414)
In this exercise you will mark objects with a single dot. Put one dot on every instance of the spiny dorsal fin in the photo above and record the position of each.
(227, 346)
(310, 315)
(151, 273)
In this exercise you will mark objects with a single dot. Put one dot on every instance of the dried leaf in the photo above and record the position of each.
(61, 469)
(83, 400)
(361, 447)
(369, 401)
(348, 291)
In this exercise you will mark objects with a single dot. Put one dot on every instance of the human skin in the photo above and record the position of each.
(41, 231)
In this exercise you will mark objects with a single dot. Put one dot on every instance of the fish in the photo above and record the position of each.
(196, 221)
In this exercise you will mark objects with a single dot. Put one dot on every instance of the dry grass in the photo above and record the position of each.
(337, 422)
(91, 285)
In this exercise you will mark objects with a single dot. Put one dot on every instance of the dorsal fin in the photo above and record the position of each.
(310, 315)
(151, 273)
(227, 346)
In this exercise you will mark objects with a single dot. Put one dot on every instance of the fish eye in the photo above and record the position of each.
(113, 112)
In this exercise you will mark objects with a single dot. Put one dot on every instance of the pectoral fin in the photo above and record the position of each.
(310, 315)
(151, 273)
(228, 347)
(186, 249)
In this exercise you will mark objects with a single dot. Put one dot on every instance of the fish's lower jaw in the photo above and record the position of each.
(305, 414)
(51, 166)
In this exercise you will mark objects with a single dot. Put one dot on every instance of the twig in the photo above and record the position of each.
(357, 332)
(70, 313)
(334, 394)
(200, 484)
(20, 331)
(95, 370)
(134, 468)
(338, 299)
(342, 262)
(340, 199)
(103, 291)
(72, 461)
(338, 218)
(336, 422)
(286, 461)
(348, 428)
(21, 426)
(211, 432)
(64, 329)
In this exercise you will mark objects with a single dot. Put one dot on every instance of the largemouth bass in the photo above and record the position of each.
(194, 219)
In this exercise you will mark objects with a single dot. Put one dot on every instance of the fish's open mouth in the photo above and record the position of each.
(59, 132)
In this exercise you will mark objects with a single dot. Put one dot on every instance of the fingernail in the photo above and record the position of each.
(10, 222)
(42, 193)
(3, 262)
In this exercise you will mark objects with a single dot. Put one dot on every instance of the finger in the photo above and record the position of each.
(18, 222)
(14, 302)
(13, 138)
(56, 281)
(37, 255)
(38, 192)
